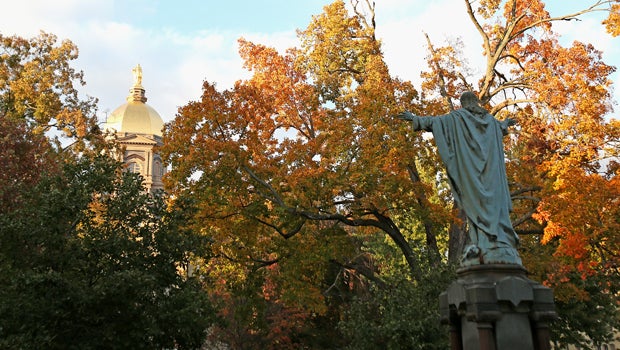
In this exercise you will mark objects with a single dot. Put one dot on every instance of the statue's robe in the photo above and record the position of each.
(472, 151)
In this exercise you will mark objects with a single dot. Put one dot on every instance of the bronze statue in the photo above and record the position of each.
(469, 141)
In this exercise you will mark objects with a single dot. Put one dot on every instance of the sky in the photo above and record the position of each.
(180, 44)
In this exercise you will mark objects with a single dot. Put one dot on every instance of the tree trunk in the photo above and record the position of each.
(457, 236)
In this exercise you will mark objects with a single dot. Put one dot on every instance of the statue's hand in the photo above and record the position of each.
(509, 122)
(406, 115)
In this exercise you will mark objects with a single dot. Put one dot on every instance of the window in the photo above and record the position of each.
(158, 169)
(134, 167)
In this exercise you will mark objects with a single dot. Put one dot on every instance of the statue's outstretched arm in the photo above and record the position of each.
(419, 123)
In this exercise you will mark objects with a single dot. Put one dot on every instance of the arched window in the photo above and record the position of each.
(158, 169)
(134, 167)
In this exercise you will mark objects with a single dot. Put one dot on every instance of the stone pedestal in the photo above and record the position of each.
(496, 307)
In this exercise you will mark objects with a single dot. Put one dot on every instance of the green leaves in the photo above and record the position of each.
(92, 261)
(401, 315)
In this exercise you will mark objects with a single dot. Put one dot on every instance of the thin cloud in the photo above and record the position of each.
(176, 59)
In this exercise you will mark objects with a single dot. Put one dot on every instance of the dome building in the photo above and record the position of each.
(138, 129)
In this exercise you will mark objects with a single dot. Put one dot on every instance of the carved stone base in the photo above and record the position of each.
(496, 307)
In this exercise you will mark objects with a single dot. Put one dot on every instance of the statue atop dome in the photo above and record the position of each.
(135, 116)
(136, 93)
(137, 76)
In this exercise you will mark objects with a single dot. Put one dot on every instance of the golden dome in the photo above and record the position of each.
(135, 116)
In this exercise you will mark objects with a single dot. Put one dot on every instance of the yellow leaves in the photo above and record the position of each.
(528, 12)
(37, 84)
(612, 23)
(570, 80)
(567, 291)
(336, 50)
(488, 8)
(552, 231)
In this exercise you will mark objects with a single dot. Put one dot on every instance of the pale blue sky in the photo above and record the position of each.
(181, 43)
(238, 15)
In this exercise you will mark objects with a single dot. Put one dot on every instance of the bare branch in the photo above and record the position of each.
(279, 230)
(525, 217)
(442, 80)
(361, 269)
(525, 190)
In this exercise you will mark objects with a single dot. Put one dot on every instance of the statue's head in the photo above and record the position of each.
(470, 101)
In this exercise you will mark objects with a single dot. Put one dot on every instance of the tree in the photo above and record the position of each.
(290, 162)
(87, 259)
(276, 155)
(91, 261)
(398, 313)
(562, 190)
(37, 86)
(23, 157)
(306, 153)
(39, 106)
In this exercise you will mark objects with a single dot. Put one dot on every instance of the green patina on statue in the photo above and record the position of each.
(469, 141)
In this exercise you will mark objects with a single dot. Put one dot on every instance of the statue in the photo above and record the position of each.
(469, 141)
(137, 75)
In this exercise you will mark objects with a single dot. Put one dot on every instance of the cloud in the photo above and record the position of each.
(113, 37)
(403, 34)
(27, 18)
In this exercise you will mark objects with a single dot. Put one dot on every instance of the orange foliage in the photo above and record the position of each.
(292, 164)
(582, 214)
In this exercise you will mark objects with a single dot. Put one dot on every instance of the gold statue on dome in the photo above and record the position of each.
(137, 75)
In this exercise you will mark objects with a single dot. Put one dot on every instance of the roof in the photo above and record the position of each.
(135, 116)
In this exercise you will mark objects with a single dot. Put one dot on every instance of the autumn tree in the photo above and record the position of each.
(39, 107)
(561, 160)
(38, 86)
(298, 169)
